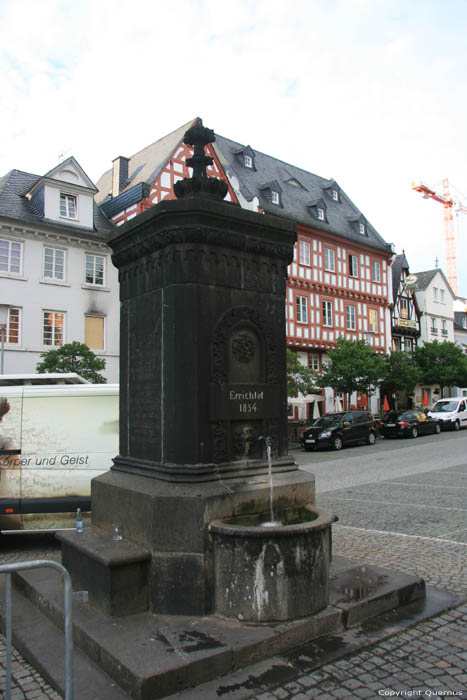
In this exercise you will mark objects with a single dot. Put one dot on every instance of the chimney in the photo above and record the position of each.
(119, 174)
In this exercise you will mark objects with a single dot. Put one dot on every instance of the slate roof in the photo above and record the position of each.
(400, 263)
(145, 165)
(425, 278)
(15, 205)
(301, 192)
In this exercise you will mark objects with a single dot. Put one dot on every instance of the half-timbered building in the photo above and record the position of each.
(340, 282)
(405, 315)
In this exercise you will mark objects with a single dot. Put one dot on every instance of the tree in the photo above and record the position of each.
(401, 373)
(73, 357)
(353, 366)
(442, 363)
(299, 377)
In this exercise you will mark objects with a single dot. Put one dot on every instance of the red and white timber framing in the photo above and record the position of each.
(162, 188)
(337, 288)
(326, 299)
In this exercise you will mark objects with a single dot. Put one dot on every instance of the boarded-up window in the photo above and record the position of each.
(94, 332)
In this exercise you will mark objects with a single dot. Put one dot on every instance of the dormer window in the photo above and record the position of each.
(68, 208)
(335, 195)
(275, 197)
(361, 229)
(248, 160)
(318, 209)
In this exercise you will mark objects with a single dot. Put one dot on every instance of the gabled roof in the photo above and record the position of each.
(145, 165)
(425, 278)
(341, 216)
(297, 187)
(16, 206)
(400, 263)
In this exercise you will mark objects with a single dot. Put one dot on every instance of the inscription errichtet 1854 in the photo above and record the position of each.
(232, 401)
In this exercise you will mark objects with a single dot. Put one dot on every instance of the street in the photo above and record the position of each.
(401, 505)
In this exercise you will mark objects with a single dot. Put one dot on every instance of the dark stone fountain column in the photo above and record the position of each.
(202, 380)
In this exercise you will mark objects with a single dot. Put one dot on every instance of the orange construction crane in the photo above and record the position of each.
(448, 204)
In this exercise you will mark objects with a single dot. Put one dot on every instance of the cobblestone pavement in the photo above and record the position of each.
(426, 660)
(429, 660)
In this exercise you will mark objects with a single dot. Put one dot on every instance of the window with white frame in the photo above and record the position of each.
(373, 321)
(335, 195)
(54, 263)
(330, 259)
(353, 266)
(13, 326)
(302, 309)
(320, 214)
(53, 328)
(376, 268)
(327, 313)
(351, 318)
(361, 229)
(248, 160)
(275, 197)
(68, 206)
(95, 269)
(443, 296)
(435, 294)
(304, 253)
(444, 327)
(434, 326)
(313, 361)
(11, 256)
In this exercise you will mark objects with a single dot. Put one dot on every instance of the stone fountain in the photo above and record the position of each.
(203, 378)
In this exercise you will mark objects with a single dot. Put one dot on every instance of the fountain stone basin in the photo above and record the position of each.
(273, 572)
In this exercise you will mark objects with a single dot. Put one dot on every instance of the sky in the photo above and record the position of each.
(372, 93)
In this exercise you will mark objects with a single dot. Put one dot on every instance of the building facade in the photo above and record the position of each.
(56, 275)
(435, 300)
(405, 314)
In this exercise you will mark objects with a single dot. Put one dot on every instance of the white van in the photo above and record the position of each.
(451, 412)
(53, 441)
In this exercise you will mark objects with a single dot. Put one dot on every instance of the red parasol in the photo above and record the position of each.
(386, 403)
(425, 400)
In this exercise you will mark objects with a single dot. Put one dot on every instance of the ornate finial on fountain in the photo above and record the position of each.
(200, 185)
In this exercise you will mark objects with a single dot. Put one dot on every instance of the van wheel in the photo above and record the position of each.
(371, 439)
(457, 425)
(414, 432)
(337, 443)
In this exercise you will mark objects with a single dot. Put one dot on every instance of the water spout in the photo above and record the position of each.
(271, 522)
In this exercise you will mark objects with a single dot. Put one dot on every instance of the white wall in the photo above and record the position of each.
(33, 294)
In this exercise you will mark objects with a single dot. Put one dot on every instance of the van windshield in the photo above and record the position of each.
(445, 406)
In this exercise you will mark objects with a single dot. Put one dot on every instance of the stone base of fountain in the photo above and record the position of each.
(270, 572)
(166, 531)
(151, 656)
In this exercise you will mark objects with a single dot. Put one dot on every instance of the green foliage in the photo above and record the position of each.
(401, 373)
(73, 357)
(299, 378)
(353, 366)
(442, 363)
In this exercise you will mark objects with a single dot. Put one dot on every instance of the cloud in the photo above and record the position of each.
(369, 92)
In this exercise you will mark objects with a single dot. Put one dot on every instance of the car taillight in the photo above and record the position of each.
(403, 424)
(381, 425)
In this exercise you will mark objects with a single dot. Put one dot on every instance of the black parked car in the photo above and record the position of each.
(408, 423)
(338, 429)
